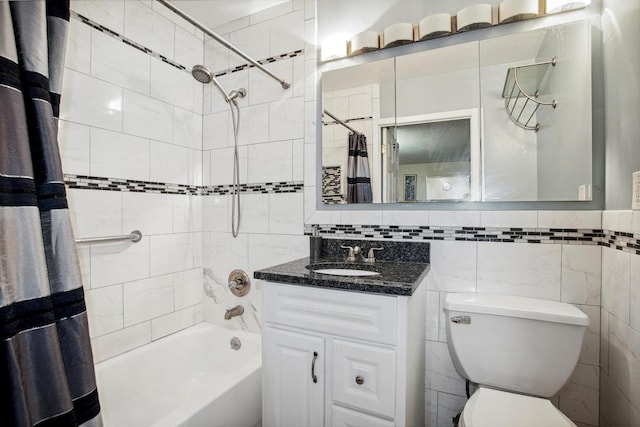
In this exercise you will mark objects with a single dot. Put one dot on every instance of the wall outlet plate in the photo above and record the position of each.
(635, 197)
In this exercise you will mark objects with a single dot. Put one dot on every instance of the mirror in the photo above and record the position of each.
(469, 122)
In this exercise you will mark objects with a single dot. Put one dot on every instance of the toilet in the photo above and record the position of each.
(520, 351)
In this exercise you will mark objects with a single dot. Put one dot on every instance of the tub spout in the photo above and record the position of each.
(233, 312)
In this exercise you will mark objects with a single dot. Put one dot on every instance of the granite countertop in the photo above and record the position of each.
(395, 277)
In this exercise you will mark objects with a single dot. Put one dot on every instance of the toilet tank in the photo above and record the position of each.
(525, 345)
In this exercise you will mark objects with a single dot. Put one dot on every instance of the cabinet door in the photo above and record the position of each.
(290, 397)
(343, 417)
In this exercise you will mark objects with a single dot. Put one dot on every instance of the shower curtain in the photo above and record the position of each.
(46, 365)
(358, 178)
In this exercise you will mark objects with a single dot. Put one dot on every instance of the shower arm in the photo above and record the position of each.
(216, 37)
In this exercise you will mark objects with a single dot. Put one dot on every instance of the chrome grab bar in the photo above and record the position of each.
(135, 236)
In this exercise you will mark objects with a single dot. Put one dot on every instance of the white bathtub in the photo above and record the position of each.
(191, 378)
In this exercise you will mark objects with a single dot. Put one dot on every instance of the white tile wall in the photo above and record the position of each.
(128, 115)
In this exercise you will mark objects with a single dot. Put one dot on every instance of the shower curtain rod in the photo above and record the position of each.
(341, 122)
(216, 37)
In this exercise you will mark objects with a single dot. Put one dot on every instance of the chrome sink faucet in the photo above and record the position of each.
(355, 254)
(238, 310)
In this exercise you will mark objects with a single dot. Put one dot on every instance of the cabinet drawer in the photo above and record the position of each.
(343, 417)
(348, 314)
(364, 377)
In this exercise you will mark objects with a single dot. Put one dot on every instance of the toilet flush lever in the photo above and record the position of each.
(464, 320)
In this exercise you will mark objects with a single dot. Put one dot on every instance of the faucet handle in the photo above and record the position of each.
(371, 256)
(352, 251)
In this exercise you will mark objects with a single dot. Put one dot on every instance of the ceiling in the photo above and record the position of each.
(213, 13)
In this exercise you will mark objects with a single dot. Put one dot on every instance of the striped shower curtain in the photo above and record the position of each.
(358, 178)
(46, 365)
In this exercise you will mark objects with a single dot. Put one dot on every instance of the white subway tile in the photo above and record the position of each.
(187, 213)
(516, 219)
(453, 266)
(614, 405)
(174, 164)
(104, 310)
(119, 63)
(286, 119)
(95, 213)
(216, 56)
(298, 160)
(117, 155)
(254, 125)
(590, 354)
(254, 211)
(579, 398)
(528, 270)
(634, 287)
(454, 218)
(440, 374)
(121, 341)
(102, 109)
(581, 274)
(150, 213)
(147, 299)
(216, 132)
(171, 253)
(84, 258)
(224, 254)
(189, 49)
(271, 162)
(361, 217)
(222, 165)
(172, 323)
(299, 79)
(172, 85)
(604, 340)
(431, 406)
(215, 213)
(180, 22)
(624, 359)
(187, 129)
(188, 288)
(232, 26)
(310, 164)
(253, 41)
(570, 219)
(206, 168)
(310, 122)
(409, 218)
(433, 315)
(271, 249)
(615, 282)
(147, 117)
(75, 147)
(262, 88)
(149, 28)
(78, 54)
(119, 262)
(287, 33)
(108, 13)
(286, 213)
(449, 406)
(309, 9)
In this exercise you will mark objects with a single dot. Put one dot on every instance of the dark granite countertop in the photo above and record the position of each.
(395, 278)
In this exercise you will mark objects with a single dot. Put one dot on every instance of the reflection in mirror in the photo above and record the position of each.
(356, 99)
(554, 162)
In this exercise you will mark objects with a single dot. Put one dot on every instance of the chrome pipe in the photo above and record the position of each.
(135, 236)
(340, 122)
(216, 37)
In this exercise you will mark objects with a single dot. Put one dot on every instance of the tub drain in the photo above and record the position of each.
(235, 343)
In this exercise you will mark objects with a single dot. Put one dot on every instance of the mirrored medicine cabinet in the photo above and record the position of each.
(502, 119)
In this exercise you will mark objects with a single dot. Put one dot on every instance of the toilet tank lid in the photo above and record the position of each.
(516, 306)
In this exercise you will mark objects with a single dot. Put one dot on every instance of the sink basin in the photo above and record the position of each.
(343, 269)
(346, 272)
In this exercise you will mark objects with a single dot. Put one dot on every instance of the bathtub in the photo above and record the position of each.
(191, 378)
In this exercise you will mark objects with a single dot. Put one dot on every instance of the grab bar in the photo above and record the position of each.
(135, 236)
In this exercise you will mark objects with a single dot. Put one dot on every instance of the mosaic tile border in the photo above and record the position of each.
(626, 242)
(171, 62)
(135, 186)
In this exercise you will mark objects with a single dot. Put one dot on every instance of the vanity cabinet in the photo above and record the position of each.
(340, 358)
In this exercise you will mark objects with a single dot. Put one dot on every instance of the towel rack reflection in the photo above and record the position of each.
(135, 236)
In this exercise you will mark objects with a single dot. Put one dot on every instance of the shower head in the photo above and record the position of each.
(202, 74)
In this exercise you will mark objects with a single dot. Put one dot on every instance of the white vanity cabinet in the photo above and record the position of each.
(364, 350)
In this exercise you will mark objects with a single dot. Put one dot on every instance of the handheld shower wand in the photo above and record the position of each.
(205, 76)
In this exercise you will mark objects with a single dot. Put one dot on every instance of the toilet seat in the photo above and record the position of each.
(493, 408)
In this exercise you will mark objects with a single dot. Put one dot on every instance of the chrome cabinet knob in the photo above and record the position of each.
(359, 380)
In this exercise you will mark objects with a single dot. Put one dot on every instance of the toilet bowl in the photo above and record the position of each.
(520, 351)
